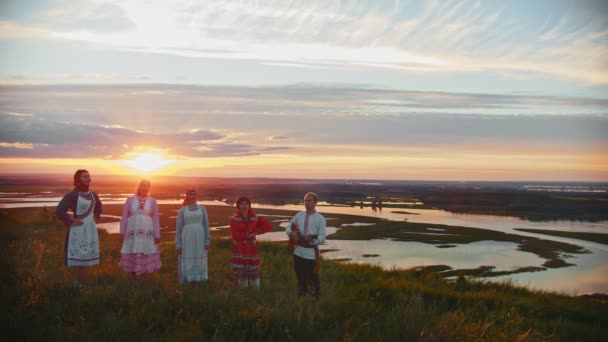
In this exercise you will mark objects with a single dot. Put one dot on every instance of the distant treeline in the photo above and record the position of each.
(495, 198)
(531, 205)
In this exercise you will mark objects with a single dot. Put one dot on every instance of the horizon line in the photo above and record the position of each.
(312, 179)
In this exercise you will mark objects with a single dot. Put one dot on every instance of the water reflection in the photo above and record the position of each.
(506, 224)
(501, 223)
(588, 276)
(110, 227)
(397, 254)
(29, 202)
(282, 236)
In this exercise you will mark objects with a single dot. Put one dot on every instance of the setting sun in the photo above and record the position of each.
(147, 162)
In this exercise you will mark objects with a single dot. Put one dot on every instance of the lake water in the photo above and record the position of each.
(590, 274)
(504, 224)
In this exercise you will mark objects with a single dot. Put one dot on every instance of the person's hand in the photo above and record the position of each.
(77, 222)
(295, 236)
(179, 251)
(307, 238)
(156, 241)
(251, 236)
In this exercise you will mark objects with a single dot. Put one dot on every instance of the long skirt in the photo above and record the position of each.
(245, 261)
(139, 252)
(192, 264)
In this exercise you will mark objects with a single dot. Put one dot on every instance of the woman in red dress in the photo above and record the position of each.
(245, 225)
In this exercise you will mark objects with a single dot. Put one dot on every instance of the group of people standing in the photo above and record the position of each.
(140, 231)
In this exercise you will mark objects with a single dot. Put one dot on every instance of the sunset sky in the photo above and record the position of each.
(412, 90)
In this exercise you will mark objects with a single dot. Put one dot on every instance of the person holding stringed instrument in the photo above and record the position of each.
(307, 231)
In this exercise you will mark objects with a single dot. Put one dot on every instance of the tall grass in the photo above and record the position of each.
(43, 300)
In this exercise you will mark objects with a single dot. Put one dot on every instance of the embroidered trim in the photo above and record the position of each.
(89, 211)
(240, 219)
(83, 259)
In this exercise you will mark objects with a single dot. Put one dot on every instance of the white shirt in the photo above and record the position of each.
(316, 226)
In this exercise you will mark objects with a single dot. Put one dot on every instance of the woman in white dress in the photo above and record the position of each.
(82, 240)
(140, 229)
(192, 240)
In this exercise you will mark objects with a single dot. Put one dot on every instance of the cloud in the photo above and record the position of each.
(26, 146)
(114, 103)
(66, 15)
(71, 121)
(79, 121)
(16, 114)
(43, 138)
(94, 17)
(232, 149)
(278, 137)
(408, 36)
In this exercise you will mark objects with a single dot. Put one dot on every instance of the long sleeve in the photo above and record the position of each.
(322, 231)
(125, 216)
(206, 226)
(293, 221)
(263, 226)
(236, 230)
(178, 228)
(98, 207)
(155, 219)
(62, 209)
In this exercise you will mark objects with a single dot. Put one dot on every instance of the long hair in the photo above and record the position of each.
(140, 184)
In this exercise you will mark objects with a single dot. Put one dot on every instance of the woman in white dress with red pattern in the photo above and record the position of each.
(140, 229)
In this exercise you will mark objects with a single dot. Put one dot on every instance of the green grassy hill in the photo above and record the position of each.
(43, 300)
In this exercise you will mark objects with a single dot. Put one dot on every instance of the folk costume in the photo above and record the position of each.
(81, 242)
(81, 246)
(140, 227)
(306, 255)
(193, 238)
(245, 251)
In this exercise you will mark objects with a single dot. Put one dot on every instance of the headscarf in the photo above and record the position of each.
(185, 202)
(77, 184)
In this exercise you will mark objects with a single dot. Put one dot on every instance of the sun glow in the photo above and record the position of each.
(147, 162)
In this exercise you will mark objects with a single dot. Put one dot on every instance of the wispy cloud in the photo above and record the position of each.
(278, 137)
(42, 138)
(115, 103)
(15, 114)
(92, 16)
(20, 146)
(412, 36)
(297, 120)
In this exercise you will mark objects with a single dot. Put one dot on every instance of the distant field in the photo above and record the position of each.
(555, 253)
(544, 202)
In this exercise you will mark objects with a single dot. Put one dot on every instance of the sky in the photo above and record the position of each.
(410, 90)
